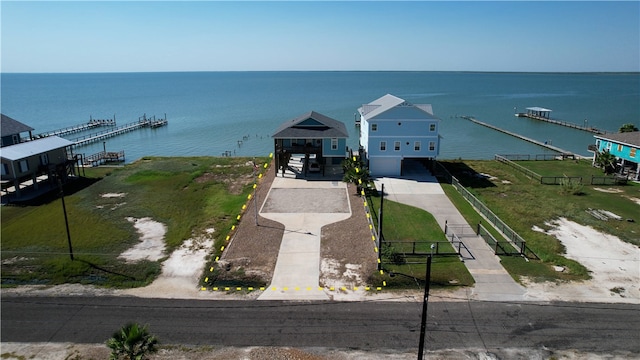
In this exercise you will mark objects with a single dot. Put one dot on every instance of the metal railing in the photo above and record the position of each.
(514, 238)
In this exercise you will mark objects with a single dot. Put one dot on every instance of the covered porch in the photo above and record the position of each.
(317, 140)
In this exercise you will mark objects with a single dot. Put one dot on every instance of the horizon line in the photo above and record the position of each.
(319, 71)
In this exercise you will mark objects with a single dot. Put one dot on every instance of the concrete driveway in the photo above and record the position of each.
(417, 187)
(303, 207)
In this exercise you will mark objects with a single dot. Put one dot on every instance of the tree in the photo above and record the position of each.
(355, 172)
(628, 128)
(132, 342)
(606, 161)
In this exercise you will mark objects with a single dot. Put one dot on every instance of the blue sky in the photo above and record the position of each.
(89, 36)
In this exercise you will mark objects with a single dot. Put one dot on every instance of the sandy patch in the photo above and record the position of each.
(614, 266)
(634, 199)
(180, 272)
(151, 246)
(113, 195)
(609, 190)
(64, 351)
(344, 282)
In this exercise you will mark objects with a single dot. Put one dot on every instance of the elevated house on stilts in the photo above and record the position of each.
(320, 140)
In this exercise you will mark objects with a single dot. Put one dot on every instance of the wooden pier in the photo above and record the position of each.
(103, 157)
(143, 121)
(93, 123)
(542, 114)
(563, 152)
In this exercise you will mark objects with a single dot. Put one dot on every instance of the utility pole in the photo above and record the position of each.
(66, 221)
(425, 300)
(380, 228)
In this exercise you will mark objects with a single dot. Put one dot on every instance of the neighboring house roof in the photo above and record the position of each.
(311, 125)
(380, 105)
(626, 138)
(35, 147)
(11, 126)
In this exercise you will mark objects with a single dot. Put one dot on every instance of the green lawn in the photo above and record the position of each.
(524, 203)
(191, 195)
(188, 195)
(407, 224)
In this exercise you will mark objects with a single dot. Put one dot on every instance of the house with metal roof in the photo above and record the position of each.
(313, 135)
(393, 130)
(624, 146)
(28, 165)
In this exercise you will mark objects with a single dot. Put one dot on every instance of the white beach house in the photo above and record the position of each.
(393, 130)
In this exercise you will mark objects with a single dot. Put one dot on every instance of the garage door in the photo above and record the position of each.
(386, 166)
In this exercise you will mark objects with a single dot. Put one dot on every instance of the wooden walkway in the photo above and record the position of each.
(103, 157)
(143, 121)
(563, 123)
(93, 123)
(539, 143)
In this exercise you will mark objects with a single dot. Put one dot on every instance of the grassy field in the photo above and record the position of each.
(406, 224)
(191, 195)
(524, 203)
(188, 195)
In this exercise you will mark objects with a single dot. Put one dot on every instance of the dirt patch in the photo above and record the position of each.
(254, 247)
(613, 264)
(151, 246)
(347, 251)
(235, 182)
(64, 351)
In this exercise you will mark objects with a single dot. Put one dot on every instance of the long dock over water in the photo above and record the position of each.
(93, 123)
(143, 121)
(564, 153)
(542, 114)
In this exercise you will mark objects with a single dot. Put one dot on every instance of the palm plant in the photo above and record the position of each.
(355, 172)
(132, 342)
(630, 127)
(606, 161)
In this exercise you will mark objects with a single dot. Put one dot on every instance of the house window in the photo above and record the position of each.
(608, 146)
(598, 144)
(44, 159)
(334, 144)
(5, 169)
(632, 152)
(396, 146)
(619, 147)
(416, 146)
(432, 127)
(383, 146)
(23, 165)
(432, 145)
(374, 127)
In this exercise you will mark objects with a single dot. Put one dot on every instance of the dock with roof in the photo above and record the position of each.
(544, 114)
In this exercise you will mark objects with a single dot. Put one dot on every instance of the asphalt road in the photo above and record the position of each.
(598, 328)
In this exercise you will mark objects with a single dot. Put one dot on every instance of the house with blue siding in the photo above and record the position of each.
(624, 146)
(393, 130)
(315, 136)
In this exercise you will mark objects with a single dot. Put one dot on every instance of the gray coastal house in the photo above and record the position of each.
(320, 139)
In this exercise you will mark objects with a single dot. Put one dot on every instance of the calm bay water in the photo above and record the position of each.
(209, 112)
